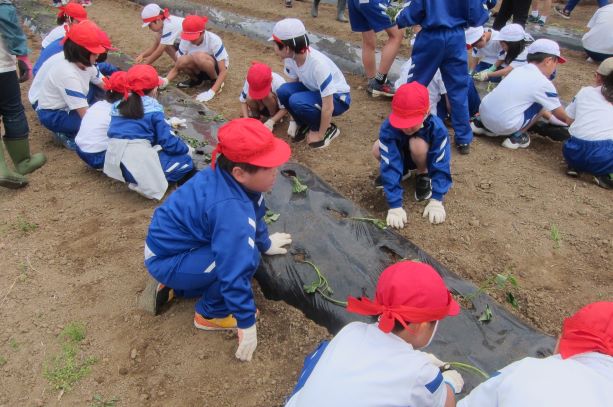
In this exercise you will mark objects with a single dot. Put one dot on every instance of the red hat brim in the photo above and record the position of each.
(95, 49)
(561, 60)
(400, 122)
(259, 93)
(191, 36)
(278, 155)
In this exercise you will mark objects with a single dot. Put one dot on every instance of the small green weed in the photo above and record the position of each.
(99, 401)
(25, 226)
(555, 236)
(13, 343)
(74, 332)
(3, 361)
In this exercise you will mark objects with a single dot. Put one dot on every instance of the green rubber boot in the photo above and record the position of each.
(314, 8)
(19, 150)
(8, 178)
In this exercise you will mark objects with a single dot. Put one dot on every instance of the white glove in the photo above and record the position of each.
(270, 123)
(434, 360)
(454, 379)
(247, 342)
(481, 76)
(557, 122)
(396, 218)
(190, 151)
(164, 84)
(292, 129)
(435, 211)
(206, 96)
(277, 241)
(177, 123)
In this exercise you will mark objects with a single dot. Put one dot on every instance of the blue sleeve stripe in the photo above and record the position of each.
(551, 94)
(75, 94)
(218, 53)
(244, 95)
(434, 384)
(180, 52)
(325, 84)
(168, 34)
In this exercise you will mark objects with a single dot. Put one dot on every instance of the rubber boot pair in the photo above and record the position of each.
(19, 151)
(340, 10)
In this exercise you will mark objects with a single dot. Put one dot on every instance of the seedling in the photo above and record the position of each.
(13, 343)
(271, 217)
(469, 368)
(74, 332)
(192, 142)
(297, 185)
(99, 401)
(487, 315)
(321, 286)
(500, 282)
(2, 361)
(25, 226)
(380, 223)
(555, 236)
(392, 10)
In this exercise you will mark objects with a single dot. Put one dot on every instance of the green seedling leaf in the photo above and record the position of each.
(380, 223)
(501, 280)
(271, 217)
(469, 368)
(511, 279)
(297, 185)
(486, 316)
(512, 300)
(311, 288)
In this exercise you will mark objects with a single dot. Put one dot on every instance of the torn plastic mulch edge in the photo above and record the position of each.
(351, 255)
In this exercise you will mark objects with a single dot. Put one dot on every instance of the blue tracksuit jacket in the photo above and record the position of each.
(435, 14)
(214, 210)
(395, 154)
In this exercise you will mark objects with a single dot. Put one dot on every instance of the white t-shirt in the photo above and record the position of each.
(502, 110)
(65, 87)
(211, 44)
(364, 367)
(171, 31)
(57, 32)
(39, 80)
(436, 87)
(92, 136)
(277, 81)
(8, 62)
(582, 380)
(491, 52)
(318, 73)
(593, 115)
(600, 36)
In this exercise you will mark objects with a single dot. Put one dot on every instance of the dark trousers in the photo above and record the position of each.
(11, 110)
(517, 8)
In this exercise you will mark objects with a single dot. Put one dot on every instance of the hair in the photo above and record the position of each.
(132, 107)
(515, 48)
(102, 57)
(75, 53)
(299, 44)
(112, 96)
(228, 165)
(607, 87)
(539, 57)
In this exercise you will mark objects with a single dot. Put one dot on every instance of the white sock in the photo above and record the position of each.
(543, 19)
(534, 13)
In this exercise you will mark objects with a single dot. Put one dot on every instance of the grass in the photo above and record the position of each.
(555, 236)
(65, 369)
(99, 401)
(25, 226)
(13, 343)
(3, 361)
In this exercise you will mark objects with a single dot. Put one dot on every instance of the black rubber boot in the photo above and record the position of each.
(314, 9)
(340, 11)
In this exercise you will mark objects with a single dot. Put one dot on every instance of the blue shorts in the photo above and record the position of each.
(94, 160)
(594, 157)
(366, 15)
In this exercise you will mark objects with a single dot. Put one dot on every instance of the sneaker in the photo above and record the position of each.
(562, 12)
(604, 181)
(517, 140)
(163, 295)
(478, 128)
(331, 133)
(533, 19)
(381, 89)
(190, 83)
(63, 140)
(541, 22)
(301, 133)
(288, 3)
(463, 149)
(423, 187)
(571, 172)
(379, 181)
(217, 324)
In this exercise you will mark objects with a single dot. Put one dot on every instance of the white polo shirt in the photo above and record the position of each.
(277, 81)
(92, 136)
(584, 380)
(436, 87)
(65, 87)
(600, 36)
(593, 115)
(211, 44)
(502, 110)
(171, 31)
(57, 32)
(364, 367)
(491, 52)
(318, 73)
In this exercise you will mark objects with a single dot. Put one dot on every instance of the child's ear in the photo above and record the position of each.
(238, 174)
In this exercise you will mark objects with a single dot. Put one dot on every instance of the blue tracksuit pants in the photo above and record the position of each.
(305, 105)
(593, 157)
(60, 121)
(445, 49)
(175, 167)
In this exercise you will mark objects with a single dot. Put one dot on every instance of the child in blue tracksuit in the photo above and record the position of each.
(143, 150)
(412, 138)
(206, 238)
(441, 45)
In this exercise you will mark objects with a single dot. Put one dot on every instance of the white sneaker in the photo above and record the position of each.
(478, 128)
(517, 140)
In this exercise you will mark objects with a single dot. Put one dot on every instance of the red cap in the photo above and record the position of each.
(407, 292)
(193, 26)
(117, 82)
(589, 330)
(74, 10)
(105, 41)
(249, 141)
(142, 77)
(410, 105)
(86, 34)
(259, 78)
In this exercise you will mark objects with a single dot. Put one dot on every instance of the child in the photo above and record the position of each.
(317, 90)
(142, 149)
(92, 139)
(259, 95)
(522, 97)
(13, 53)
(441, 44)
(68, 15)
(485, 50)
(202, 56)
(62, 89)
(369, 18)
(598, 41)
(590, 147)
(381, 363)
(206, 238)
(168, 30)
(512, 39)
(540, 12)
(411, 138)
(579, 373)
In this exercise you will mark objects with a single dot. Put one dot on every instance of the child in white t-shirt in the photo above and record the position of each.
(381, 364)
(259, 95)
(590, 147)
(522, 97)
(598, 41)
(485, 50)
(68, 15)
(168, 33)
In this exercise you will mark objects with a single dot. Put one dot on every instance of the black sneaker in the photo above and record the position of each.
(332, 132)
(463, 149)
(190, 83)
(517, 140)
(604, 181)
(533, 19)
(423, 187)
(571, 172)
(288, 3)
(478, 128)
(163, 295)
(379, 181)
(301, 134)
(381, 89)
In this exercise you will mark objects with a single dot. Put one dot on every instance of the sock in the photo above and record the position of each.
(534, 13)
(543, 19)
(380, 77)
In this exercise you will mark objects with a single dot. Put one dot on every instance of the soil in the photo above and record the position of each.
(71, 247)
